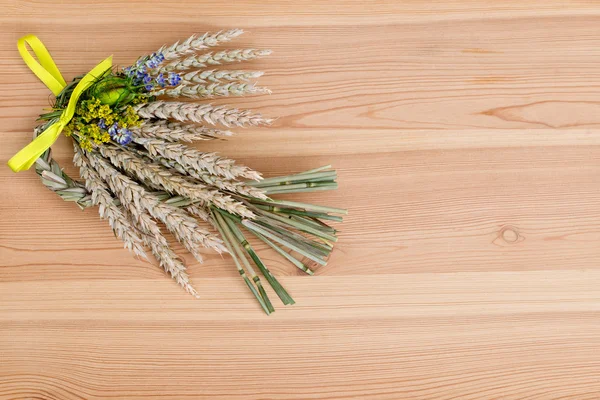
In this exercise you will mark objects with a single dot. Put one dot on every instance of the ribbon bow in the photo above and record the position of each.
(49, 74)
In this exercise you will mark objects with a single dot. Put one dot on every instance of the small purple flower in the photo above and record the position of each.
(119, 135)
(160, 79)
(174, 79)
(158, 58)
(102, 124)
(123, 136)
(112, 131)
(150, 60)
(140, 76)
(154, 60)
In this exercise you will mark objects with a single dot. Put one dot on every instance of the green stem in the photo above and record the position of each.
(294, 187)
(299, 241)
(304, 227)
(284, 253)
(302, 188)
(308, 207)
(311, 222)
(222, 228)
(279, 290)
(286, 180)
(257, 228)
(282, 210)
(308, 244)
(238, 249)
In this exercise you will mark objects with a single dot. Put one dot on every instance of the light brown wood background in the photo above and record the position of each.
(466, 136)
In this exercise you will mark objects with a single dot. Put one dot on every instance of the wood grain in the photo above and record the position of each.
(466, 138)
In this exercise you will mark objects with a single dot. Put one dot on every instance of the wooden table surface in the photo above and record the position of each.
(466, 138)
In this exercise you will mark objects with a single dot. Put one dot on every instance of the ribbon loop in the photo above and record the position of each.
(48, 73)
(45, 69)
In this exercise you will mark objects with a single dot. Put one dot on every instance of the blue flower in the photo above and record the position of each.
(160, 79)
(158, 57)
(102, 124)
(139, 72)
(154, 60)
(112, 131)
(123, 136)
(174, 79)
(119, 135)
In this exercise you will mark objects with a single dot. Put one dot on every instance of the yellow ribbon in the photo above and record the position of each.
(49, 74)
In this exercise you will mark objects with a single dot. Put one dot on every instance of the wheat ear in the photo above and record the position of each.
(152, 237)
(199, 91)
(200, 212)
(200, 113)
(107, 208)
(205, 76)
(198, 61)
(194, 159)
(138, 200)
(229, 185)
(163, 179)
(177, 131)
(195, 43)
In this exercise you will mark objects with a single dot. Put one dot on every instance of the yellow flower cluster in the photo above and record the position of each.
(92, 109)
(128, 118)
(89, 113)
(91, 133)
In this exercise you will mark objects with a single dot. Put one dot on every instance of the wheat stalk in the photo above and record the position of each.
(177, 131)
(194, 159)
(150, 234)
(201, 213)
(163, 179)
(137, 201)
(197, 61)
(169, 261)
(198, 91)
(204, 76)
(200, 113)
(107, 209)
(229, 185)
(195, 43)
